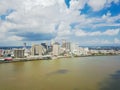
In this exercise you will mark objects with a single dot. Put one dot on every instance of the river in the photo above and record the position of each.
(83, 73)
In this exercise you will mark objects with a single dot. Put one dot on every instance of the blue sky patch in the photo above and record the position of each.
(7, 13)
(114, 9)
(67, 2)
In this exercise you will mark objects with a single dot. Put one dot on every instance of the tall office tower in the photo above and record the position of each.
(56, 49)
(37, 50)
(19, 53)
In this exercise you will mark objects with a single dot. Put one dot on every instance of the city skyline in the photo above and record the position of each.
(87, 22)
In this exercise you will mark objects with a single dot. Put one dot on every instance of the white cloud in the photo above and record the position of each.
(42, 16)
(95, 22)
(5, 35)
(115, 1)
(110, 20)
(97, 33)
(107, 15)
(77, 4)
(81, 33)
(98, 41)
(14, 38)
(38, 16)
(117, 41)
(63, 29)
(111, 32)
(96, 6)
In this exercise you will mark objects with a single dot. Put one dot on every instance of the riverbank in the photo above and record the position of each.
(46, 58)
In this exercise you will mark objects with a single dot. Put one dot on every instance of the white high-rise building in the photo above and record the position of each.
(56, 49)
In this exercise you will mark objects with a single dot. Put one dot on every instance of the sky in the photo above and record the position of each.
(86, 22)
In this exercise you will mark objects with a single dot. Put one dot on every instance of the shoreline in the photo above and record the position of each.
(53, 58)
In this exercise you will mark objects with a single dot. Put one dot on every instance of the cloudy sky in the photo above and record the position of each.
(87, 22)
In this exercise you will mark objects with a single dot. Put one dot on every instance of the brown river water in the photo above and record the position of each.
(83, 73)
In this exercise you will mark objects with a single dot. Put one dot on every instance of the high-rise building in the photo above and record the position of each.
(19, 53)
(66, 45)
(56, 49)
(37, 50)
(45, 45)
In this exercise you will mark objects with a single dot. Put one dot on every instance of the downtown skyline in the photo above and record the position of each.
(87, 22)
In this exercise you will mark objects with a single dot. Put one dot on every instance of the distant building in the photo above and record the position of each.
(19, 53)
(66, 45)
(24, 45)
(56, 49)
(37, 50)
(75, 49)
(45, 45)
(63, 43)
(52, 42)
(1, 52)
(84, 51)
(26, 50)
(6, 52)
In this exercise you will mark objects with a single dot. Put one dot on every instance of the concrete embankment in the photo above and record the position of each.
(26, 59)
(45, 58)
